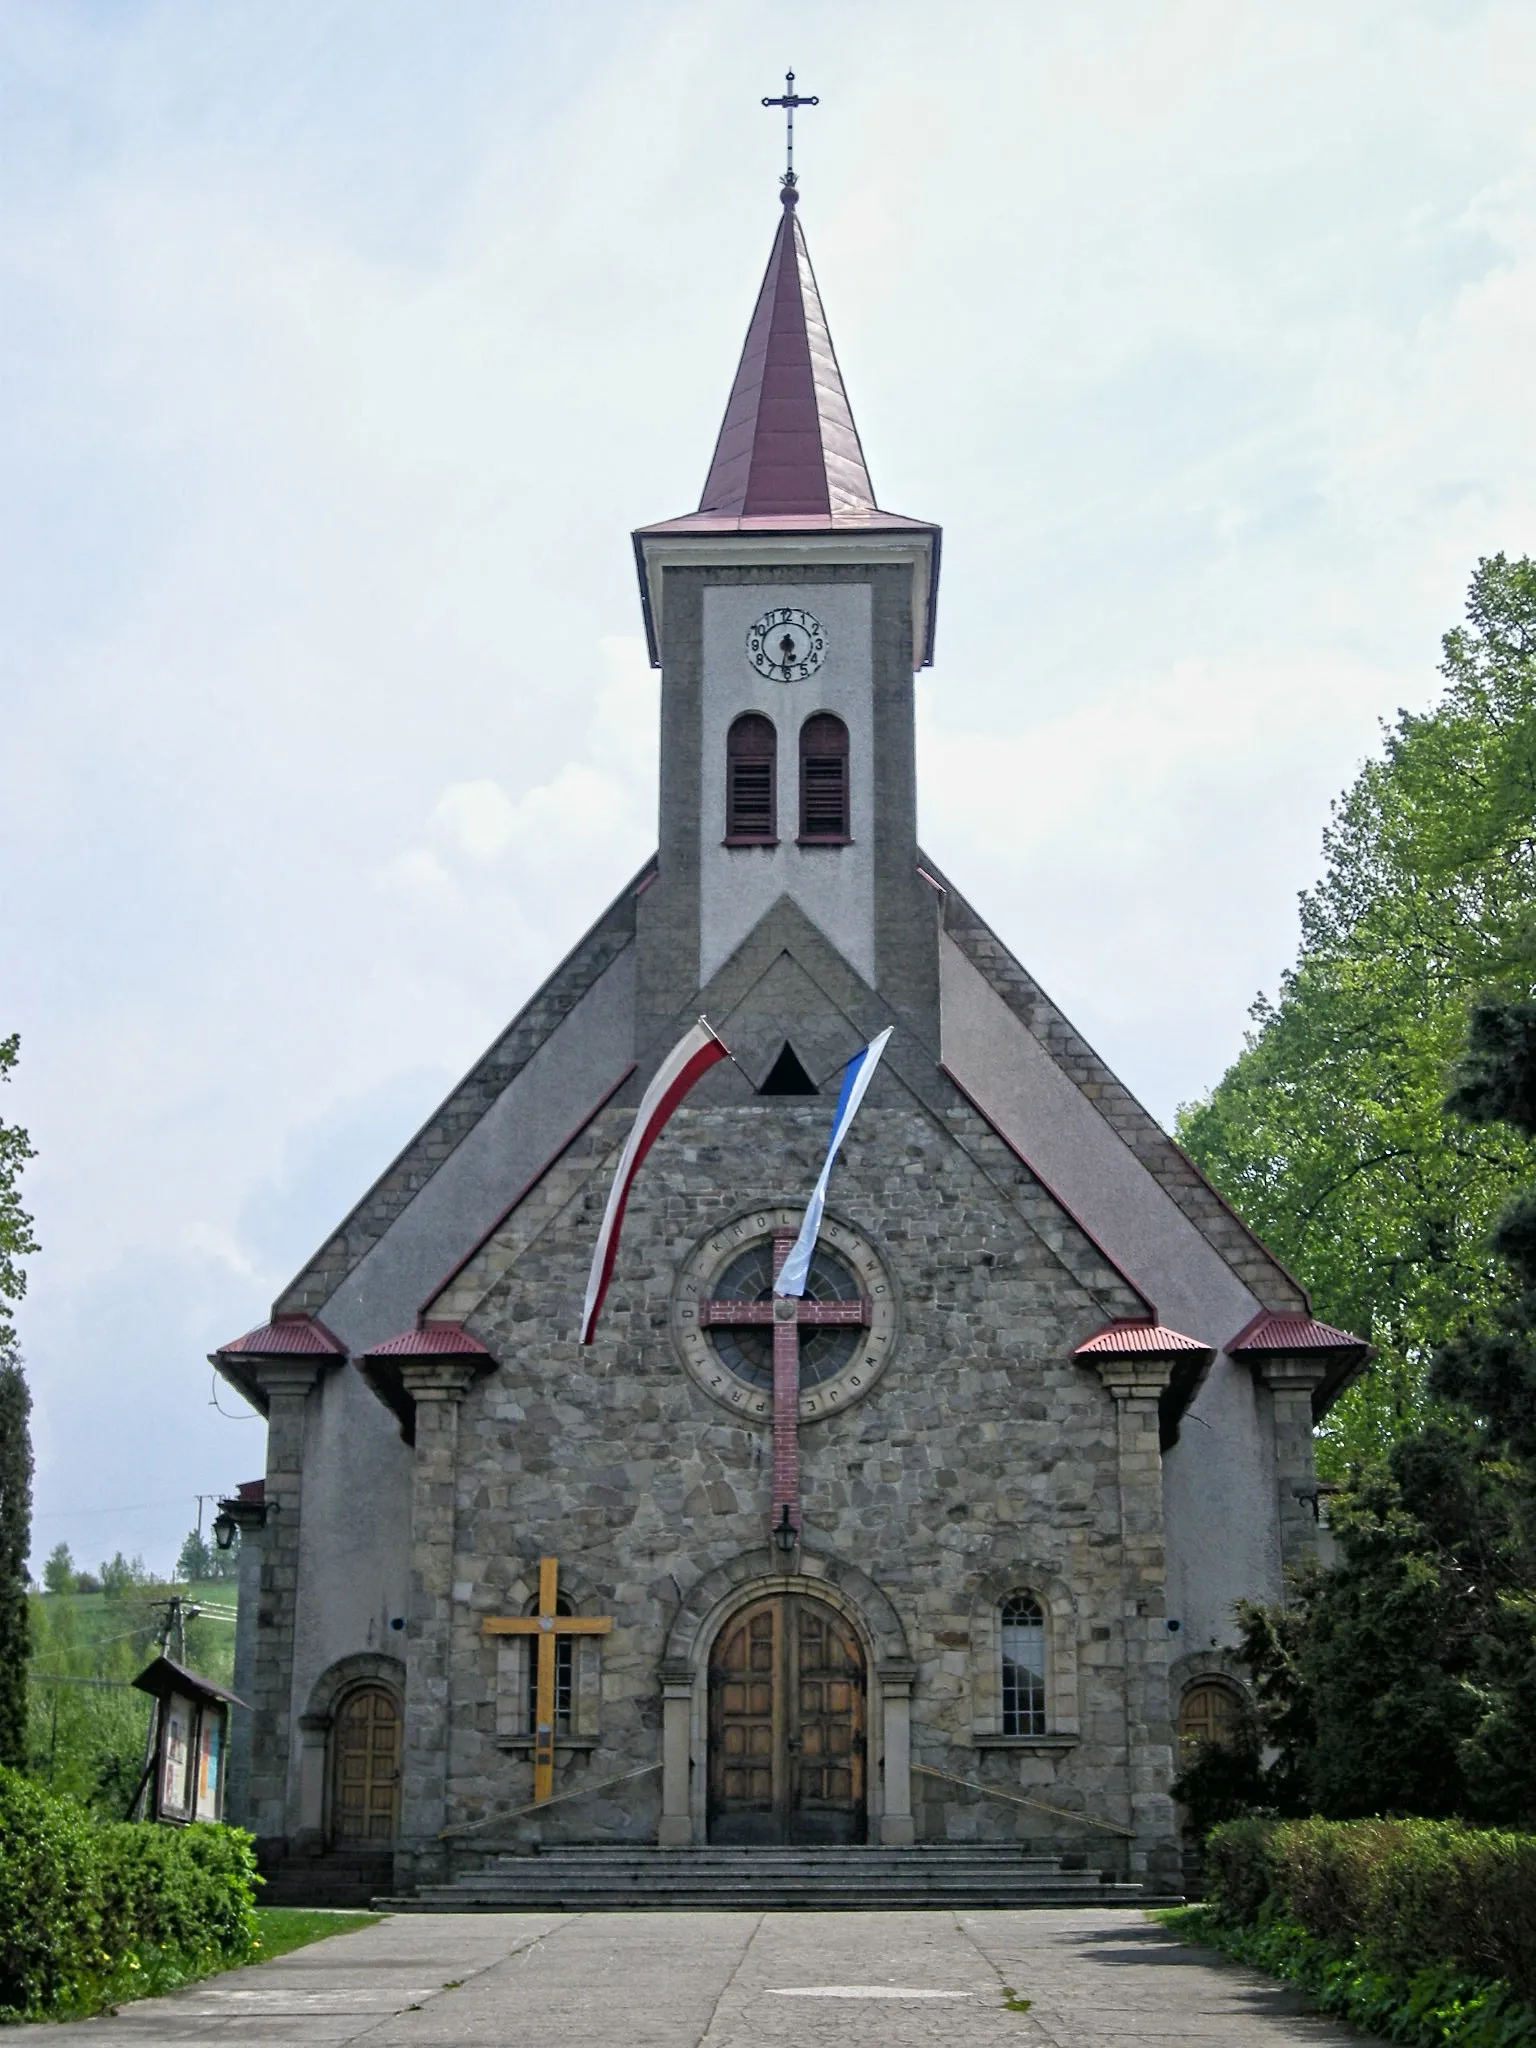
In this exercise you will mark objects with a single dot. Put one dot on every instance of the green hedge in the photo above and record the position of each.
(92, 1913)
(1421, 1929)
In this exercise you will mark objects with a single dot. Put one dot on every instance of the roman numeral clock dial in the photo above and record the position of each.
(786, 644)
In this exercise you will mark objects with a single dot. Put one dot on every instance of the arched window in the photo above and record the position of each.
(565, 1673)
(1021, 1630)
(1209, 1712)
(751, 815)
(824, 781)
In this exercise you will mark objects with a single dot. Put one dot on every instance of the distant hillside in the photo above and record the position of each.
(86, 1723)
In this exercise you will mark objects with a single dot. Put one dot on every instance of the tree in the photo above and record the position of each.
(59, 1570)
(195, 1560)
(1330, 1133)
(201, 1560)
(1401, 1680)
(16, 1241)
(15, 1542)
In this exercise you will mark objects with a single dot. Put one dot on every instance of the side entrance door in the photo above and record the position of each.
(365, 1787)
(786, 1726)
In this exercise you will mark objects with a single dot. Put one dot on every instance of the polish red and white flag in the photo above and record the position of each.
(688, 1061)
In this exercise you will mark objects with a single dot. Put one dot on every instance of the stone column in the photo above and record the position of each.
(896, 1829)
(250, 1518)
(285, 1383)
(1291, 1378)
(1135, 1382)
(314, 1739)
(437, 1386)
(676, 1828)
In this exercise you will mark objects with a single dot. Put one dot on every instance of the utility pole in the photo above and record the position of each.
(173, 1621)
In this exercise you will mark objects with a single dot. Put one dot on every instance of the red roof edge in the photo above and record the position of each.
(430, 1340)
(1065, 1207)
(1270, 1330)
(1124, 1338)
(286, 1336)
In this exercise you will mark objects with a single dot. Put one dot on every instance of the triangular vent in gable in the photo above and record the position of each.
(787, 1077)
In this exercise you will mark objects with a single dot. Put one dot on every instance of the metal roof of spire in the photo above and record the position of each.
(788, 460)
(788, 444)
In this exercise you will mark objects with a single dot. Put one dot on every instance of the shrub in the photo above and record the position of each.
(1240, 1869)
(90, 1912)
(50, 1911)
(1405, 1899)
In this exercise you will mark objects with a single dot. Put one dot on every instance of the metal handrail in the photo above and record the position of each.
(1083, 1820)
(469, 1827)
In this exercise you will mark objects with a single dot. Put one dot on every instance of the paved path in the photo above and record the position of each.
(1095, 1979)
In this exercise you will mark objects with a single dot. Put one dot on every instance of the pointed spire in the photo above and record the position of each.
(788, 446)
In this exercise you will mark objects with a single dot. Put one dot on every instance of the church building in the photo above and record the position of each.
(508, 1599)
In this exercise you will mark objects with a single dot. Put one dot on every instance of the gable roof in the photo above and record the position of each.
(1172, 1168)
(785, 929)
(458, 1114)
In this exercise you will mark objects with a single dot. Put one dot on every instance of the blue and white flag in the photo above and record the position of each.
(857, 1076)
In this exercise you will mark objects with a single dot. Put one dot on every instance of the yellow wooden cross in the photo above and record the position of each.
(546, 1625)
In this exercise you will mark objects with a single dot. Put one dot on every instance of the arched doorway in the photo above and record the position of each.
(1210, 1712)
(786, 1726)
(365, 1781)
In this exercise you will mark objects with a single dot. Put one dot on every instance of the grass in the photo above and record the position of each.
(280, 1929)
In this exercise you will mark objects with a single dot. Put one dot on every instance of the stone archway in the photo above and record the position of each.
(871, 1622)
(367, 1673)
(786, 1726)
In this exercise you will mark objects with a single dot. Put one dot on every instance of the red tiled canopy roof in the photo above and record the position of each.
(430, 1340)
(1149, 1340)
(286, 1337)
(1295, 1332)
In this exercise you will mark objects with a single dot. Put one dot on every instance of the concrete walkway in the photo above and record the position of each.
(732, 1980)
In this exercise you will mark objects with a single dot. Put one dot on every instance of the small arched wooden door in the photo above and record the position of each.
(1208, 1713)
(365, 1781)
(786, 1726)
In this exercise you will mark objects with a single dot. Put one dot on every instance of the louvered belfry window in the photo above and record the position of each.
(824, 780)
(751, 749)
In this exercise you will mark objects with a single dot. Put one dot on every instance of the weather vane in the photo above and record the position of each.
(790, 100)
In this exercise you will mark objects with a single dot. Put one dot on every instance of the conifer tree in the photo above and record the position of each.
(15, 1541)
(16, 1241)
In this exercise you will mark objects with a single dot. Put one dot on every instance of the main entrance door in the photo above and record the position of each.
(365, 1798)
(786, 1726)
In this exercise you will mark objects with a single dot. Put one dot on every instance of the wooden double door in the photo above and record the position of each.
(786, 1726)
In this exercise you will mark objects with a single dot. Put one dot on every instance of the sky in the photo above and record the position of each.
(343, 346)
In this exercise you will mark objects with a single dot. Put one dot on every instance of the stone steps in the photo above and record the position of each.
(618, 1878)
(340, 1878)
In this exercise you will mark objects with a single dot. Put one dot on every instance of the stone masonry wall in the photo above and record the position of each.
(986, 1456)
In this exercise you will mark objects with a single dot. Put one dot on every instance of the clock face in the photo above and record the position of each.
(787, 644)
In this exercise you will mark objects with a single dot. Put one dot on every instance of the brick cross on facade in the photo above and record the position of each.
(787, 1317)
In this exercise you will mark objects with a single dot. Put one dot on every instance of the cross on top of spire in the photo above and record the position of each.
(789, 99)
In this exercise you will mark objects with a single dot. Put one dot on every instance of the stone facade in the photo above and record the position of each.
(986, 1460)
(1015, 1195)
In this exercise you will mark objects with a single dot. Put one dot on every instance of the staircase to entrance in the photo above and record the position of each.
(613, 1878)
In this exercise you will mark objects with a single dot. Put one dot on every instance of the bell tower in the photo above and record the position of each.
(788, 615)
